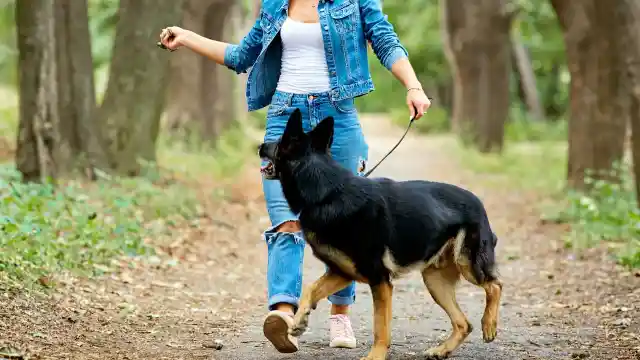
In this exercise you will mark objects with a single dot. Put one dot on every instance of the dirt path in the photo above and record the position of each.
(554, 307)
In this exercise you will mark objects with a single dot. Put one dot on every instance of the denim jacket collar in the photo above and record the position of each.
(285, 6)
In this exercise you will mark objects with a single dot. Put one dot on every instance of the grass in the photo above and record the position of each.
(607, 213)
(80, 228)
(535, 158)
(532, 165)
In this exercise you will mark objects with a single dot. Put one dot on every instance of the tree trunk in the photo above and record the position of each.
(138, 76)
(200, 96)
(598, 48)
(184, 108)
(76, 90)
(527, 78)
(39, 151)
(476, 38)
(628, 20)
(217, 92)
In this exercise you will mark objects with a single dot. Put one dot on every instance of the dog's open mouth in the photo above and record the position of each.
(268, 170)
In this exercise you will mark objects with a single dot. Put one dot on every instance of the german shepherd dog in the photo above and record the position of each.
(374, 230)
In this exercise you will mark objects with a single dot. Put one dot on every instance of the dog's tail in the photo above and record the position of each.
(477, 242)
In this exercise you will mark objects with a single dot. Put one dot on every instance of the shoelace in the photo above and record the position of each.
(342, 326)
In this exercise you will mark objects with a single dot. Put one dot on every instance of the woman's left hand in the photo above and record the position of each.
(418, 101)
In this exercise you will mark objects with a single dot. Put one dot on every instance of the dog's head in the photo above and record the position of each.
(295, 145)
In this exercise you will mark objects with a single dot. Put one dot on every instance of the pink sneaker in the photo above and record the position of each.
(341, 332)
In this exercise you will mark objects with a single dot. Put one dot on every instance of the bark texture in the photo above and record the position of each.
(39, 152)
(526, 77)
(477, 46)
(200, 96)
(601, 53)
(76, 89)
(138, 77)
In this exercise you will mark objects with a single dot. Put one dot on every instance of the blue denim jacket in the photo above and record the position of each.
(346, 27)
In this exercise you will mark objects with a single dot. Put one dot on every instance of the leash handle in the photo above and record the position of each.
(411, 120)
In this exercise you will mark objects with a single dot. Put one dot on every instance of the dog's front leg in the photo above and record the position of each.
(381, 321)
(326, 285)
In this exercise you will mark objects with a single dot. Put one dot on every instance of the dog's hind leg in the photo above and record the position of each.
(493, 293)
(441, 283)
(326, 285)
(382, 294)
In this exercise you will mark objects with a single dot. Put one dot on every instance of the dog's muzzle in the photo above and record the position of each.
(267, 152)
(269, 170)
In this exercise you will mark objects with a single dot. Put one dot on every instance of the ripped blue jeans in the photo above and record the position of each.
(349, 148)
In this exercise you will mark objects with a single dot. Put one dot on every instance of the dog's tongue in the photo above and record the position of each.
(265, 168)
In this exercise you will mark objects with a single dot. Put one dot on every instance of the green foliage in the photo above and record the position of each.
(417, 23)
(81, 227)
(540, 32)
(435, 121)
(418, 26)
(522, 128)
(103, 17)
(78, 227)
(607, 212)
(259, 118)
(102, 21)
(537, 165)
(8, 120)
(187, 153)
(8, 46)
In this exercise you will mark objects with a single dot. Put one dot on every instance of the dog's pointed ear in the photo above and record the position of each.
(322, 135)
(294, 125)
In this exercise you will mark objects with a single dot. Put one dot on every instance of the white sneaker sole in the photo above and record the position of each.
(343, 343)
(276, 330)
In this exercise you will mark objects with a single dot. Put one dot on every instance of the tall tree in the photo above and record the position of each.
(138, 77)
(75, 85)
(598, 50)
(476, 38)
(40, 152)
(628, 19)
(526, 76)
(200, 96)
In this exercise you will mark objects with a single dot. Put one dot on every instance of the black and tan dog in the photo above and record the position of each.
(374, 230)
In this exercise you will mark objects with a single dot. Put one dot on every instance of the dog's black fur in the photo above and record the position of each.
(372, 230)
(363, 217)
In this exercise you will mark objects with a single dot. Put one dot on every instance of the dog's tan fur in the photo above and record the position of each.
(440, 275)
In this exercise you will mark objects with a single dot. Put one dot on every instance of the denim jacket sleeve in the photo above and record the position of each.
(380, 32)
(242, 56)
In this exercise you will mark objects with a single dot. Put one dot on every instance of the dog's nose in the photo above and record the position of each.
(261, 149)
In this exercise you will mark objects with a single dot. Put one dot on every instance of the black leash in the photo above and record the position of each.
(397, 144)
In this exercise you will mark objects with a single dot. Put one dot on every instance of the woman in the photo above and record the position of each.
(312, 55)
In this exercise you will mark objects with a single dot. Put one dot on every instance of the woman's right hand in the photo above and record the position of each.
(173, 37)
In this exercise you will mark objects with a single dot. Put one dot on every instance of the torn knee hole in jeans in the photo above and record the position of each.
(272, 233)
(289, 226)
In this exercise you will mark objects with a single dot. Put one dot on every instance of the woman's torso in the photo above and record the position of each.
(304, 67)
(345, 52)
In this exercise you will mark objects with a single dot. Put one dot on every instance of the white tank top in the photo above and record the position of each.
(304, 65)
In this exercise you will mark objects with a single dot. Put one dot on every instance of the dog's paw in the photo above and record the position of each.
(297, 331)
(376, 354)
(300, 324)
(437, 353)
(489, 330)
(374, 357)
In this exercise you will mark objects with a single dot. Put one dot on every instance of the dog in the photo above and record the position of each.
(375, 230)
